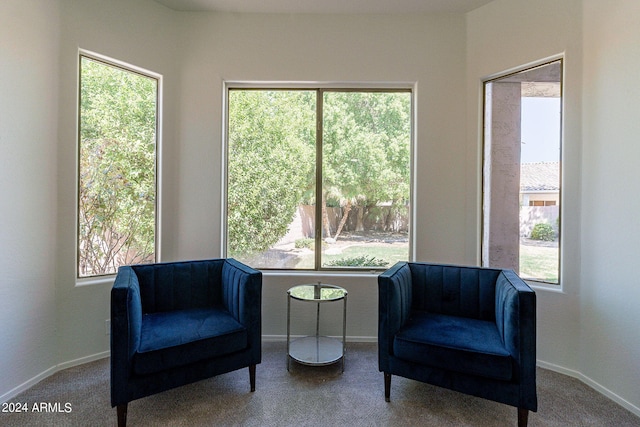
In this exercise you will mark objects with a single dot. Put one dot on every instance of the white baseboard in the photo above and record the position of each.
(47, 373)
(274, 338)
(28, 384)
(591, 383)
(83, 360)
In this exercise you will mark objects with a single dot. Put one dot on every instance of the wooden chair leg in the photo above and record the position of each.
(523, 417)
(252, 377)
(387, 387)
(122, 415)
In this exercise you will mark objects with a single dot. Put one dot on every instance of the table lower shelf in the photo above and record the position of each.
(316, 351)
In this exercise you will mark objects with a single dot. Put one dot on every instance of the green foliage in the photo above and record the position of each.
(366, 145)
(117, 168)
(358, 261)
(365, 152)
(305, 243)
(272, 158)
(271, 164)
(543, 231)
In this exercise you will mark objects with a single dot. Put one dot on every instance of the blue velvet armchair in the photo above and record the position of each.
(468, 329)
(180, 322)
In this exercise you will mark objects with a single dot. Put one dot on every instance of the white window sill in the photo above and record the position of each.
(100, 280)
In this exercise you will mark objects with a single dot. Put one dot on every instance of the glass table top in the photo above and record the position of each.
(318, 292)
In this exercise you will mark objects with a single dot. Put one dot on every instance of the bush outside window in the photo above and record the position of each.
(117, 167)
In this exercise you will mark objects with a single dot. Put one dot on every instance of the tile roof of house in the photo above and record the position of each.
(541, 176)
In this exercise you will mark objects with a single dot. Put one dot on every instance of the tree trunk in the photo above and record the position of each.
(343, 220)
(360, 221)
(325, 219)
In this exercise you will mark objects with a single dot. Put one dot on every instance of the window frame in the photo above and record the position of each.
(320, 88)
(483, 136)
(106, 60)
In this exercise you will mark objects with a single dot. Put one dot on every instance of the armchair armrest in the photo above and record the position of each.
(126, 324)
(394, 306)
(242, 293)
(516, 321)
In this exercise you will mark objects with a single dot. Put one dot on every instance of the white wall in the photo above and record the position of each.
(28, 126)
(427, 50)
(511, 33)
(48, 321)
(141, 33)
(590, 329)
(609, 282)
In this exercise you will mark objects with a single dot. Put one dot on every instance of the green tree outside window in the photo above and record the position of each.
(117, 168)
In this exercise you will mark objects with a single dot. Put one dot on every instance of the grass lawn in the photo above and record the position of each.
(539, 262)
(391, 253)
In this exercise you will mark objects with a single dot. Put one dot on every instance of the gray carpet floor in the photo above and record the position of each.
(307, 396)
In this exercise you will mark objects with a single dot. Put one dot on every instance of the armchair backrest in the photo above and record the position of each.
(180, 285)
(454, 290)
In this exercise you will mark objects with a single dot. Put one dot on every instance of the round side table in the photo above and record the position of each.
(316, 350)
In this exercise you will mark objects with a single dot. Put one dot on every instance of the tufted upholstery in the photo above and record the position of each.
(469, 329)
(180, 322)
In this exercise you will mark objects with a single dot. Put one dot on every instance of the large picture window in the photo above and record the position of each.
(522, 180)
(318, 178)
(116, 167)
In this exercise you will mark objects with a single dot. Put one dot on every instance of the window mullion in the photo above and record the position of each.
(318, 210)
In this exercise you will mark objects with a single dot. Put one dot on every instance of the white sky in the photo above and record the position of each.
(540, 132)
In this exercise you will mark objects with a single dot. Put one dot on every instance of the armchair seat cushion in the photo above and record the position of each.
(178, 338)
(459, 344)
